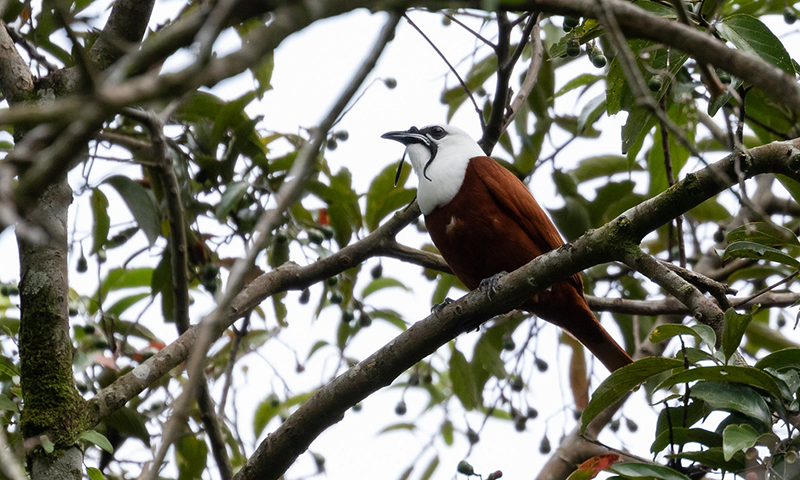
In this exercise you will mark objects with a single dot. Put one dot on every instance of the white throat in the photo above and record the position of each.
(442, 180)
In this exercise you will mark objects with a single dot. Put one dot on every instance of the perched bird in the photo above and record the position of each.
(485, 221)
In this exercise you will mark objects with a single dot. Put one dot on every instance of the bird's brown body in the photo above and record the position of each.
(484, 221)
(494, 224)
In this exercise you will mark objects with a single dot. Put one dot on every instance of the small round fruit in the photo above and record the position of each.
(281, 237)
(4, 290)
(315, 236)
(365, 319)
(573, 47)
(327, 231)
(274, 401)
(517, 384)
(82, 265)
(571, 21)
(332, 281)
(390, 83)
(473, 436)
(519, 424)
(508, 344)
(781, 321)
(401, 408)
(377, 271)
(319, 461)
(101, 256)
(631, 425)
(89, 328)
(532, 413)
(336, 298)
(599, 61)
(465, 468)
(446, 21)
(544, 446)
(342, 135)
(348, 315)
(655, 83)
(614, 425)
(73, 311)
(541, 365)
(413, 379)
(357, 407)
(789, 15)
(724, 76)
(332, 144)
(305, 296)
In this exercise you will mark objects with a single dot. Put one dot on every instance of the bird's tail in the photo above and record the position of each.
(564, 306)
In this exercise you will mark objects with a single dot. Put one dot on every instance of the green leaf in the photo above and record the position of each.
(380, 284)
(582, 80)
(447, 432)
(735, 326)
(97, 438)
(714, 458)
(792, 185)
(763, 233)
(622, 381)
(263, 74)
(94, 474)
(463, 382)
(756, 251)
(706, 333)
(737, 438)
(680, 436)
(231, 199)
(191, 455)
(140, 203)
(384, 198)
(750, 35)
(782, 359)
(646, 470)
(750, 376)
(102, 221)
(480, 72)
(120, 306)
(7, 404)
(120, 278)
(669, 330)
(129, 422)
(601, 166)
(47, 444)
(591, 112)
(733, 397)
(430, 469)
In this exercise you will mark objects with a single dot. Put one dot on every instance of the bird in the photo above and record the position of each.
(485, 222)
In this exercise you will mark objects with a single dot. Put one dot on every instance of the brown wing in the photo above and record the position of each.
(518, 202)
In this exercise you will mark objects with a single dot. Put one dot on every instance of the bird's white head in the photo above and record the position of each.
(439, 155)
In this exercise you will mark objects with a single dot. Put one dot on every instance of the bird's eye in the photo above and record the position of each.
(437, 132)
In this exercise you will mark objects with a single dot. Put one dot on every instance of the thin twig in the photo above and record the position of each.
(531, 76)
(452, 69)
(769, 288)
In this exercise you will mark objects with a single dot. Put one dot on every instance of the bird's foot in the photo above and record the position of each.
(489, 285)
(436, 308)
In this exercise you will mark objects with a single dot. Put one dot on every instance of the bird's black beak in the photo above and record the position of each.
(409, 137)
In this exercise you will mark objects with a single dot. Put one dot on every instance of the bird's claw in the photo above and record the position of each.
(489, 285)
(436, 308)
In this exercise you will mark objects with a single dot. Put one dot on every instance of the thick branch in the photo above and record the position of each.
(123, 31)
